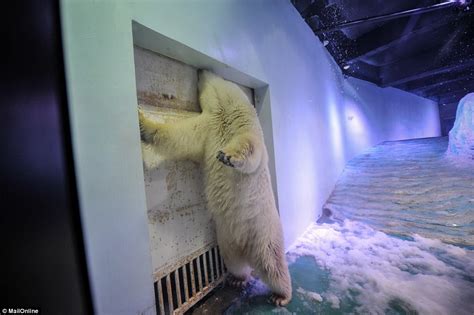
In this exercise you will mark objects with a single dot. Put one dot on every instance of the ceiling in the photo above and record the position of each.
(425, 47)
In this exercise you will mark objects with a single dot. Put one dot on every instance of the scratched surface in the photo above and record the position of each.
(178, 221)
(164, 82)
(177, 218)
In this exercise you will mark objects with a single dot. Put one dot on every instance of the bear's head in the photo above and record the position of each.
(214, 91)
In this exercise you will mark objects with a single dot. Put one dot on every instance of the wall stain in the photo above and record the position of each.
(165, 100)
(159, 216)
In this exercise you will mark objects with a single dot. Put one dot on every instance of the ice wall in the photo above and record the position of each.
(320, 119)
(461, 137)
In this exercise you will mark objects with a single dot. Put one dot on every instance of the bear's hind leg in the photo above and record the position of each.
(273, 270)
(238, 273)
(238, 269)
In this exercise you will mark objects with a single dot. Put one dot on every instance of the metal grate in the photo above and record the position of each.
(179, 286)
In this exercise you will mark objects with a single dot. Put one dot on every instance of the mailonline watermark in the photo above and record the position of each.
(20, 310)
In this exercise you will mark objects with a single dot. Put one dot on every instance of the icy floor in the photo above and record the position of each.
(400, 207)
(406, 187)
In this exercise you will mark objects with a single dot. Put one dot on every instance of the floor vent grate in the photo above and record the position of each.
(179, 286)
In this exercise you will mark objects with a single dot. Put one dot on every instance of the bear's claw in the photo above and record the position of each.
(279, 300)
(224, 158)
(236, 282)
(145, 134)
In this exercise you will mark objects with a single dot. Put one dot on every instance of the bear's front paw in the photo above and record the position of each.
(225, 159)
(147, 137)
(146, 134)
(141, 123)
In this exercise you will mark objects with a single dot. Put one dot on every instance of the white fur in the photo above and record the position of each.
(239, 193)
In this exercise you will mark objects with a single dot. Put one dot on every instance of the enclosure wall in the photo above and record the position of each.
(320, 120)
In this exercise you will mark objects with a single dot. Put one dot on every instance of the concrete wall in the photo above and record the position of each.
(319, 120)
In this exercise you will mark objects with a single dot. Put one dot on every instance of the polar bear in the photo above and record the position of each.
(227, 140)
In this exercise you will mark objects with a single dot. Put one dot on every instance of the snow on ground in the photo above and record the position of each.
(312, 295)
(376, 270)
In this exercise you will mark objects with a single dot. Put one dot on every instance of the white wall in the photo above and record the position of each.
(320, 120)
